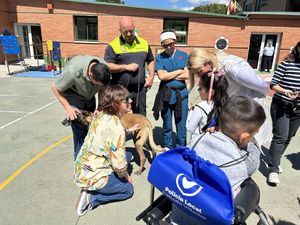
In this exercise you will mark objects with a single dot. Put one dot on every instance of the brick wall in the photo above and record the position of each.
(203, 30)
(4, 22)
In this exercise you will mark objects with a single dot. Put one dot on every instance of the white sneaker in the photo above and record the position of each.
(273, 178)
(84, 203)
(280, 169)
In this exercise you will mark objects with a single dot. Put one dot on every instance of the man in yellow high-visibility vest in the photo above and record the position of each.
(126, 56)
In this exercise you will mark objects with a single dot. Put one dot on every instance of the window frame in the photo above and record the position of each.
(87, 27)
(176, 19)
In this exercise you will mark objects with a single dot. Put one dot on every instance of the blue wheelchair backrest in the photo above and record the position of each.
(198, 187)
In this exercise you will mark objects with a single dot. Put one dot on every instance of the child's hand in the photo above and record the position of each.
(211, 129)
(136, 127)
(291, 94)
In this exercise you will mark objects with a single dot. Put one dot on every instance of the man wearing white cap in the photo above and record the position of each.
(172, 96)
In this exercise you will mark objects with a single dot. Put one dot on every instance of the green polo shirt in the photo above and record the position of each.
(120, 52)
(74, 81)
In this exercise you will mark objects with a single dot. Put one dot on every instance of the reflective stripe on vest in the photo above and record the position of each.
(138, 46)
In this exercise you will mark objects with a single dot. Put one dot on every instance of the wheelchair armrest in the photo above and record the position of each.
(156, 211)
(246, 200)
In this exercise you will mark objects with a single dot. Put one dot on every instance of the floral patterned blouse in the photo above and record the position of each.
(103, 150)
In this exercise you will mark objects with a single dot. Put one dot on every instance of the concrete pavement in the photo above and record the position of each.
(42, 191)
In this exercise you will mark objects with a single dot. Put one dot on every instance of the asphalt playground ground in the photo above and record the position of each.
(36, 165)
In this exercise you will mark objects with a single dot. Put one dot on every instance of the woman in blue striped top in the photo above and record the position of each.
(285, 109)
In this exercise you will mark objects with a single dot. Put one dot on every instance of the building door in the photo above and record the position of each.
(37, 42)
(256, 46)
(30, 38)
(254, 50)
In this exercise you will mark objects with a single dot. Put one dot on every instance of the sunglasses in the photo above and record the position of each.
(127, 31)
(168, 45)
(127, 99)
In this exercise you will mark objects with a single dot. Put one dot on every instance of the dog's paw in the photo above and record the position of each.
(139, 172)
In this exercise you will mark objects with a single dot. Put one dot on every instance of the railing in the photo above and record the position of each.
(30, 56)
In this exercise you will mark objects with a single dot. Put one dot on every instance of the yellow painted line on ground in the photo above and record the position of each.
(36, 157)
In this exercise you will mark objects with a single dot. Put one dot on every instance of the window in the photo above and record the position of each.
(86, 28)
(248, 5)
(293, 6)
(180, 26)
(260, 4)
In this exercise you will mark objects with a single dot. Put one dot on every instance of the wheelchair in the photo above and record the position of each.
(246, 202)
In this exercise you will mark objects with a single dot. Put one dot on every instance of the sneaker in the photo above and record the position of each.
(280, 169)
(273, 178)
(84, 203)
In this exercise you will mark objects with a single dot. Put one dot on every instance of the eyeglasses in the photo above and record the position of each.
(125, 32)
(168, 45)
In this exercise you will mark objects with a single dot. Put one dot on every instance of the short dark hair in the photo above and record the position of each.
(101, 73)
(109, 98)
(241, 113)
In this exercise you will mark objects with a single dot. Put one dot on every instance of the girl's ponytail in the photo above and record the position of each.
(219, 96)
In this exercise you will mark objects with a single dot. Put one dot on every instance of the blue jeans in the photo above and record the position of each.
(180, 124)
(116, 189)
(79, 133)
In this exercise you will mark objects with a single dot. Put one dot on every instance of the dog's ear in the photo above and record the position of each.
(84, 119)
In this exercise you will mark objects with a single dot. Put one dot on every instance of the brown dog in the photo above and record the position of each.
(139, 137)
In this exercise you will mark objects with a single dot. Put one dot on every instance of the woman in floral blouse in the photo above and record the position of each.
(101, 165)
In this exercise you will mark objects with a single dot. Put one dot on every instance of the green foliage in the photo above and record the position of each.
(212, 8)
(112, 1)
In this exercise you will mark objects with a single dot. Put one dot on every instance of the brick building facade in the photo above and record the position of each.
(66, 23)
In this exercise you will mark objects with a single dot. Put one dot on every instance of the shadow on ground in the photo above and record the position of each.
(294, 158)
(281, 222)
(159, 138)
(136, 158)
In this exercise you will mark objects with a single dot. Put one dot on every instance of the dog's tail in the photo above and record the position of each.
(154, 147)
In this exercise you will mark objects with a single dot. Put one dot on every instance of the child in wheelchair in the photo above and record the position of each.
(233, 150)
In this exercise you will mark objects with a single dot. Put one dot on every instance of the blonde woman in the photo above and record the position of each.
(242, 79)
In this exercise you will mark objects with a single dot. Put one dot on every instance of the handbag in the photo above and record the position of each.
(196, 186)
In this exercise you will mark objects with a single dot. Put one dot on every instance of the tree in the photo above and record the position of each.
(112, 1)
(212, 8)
